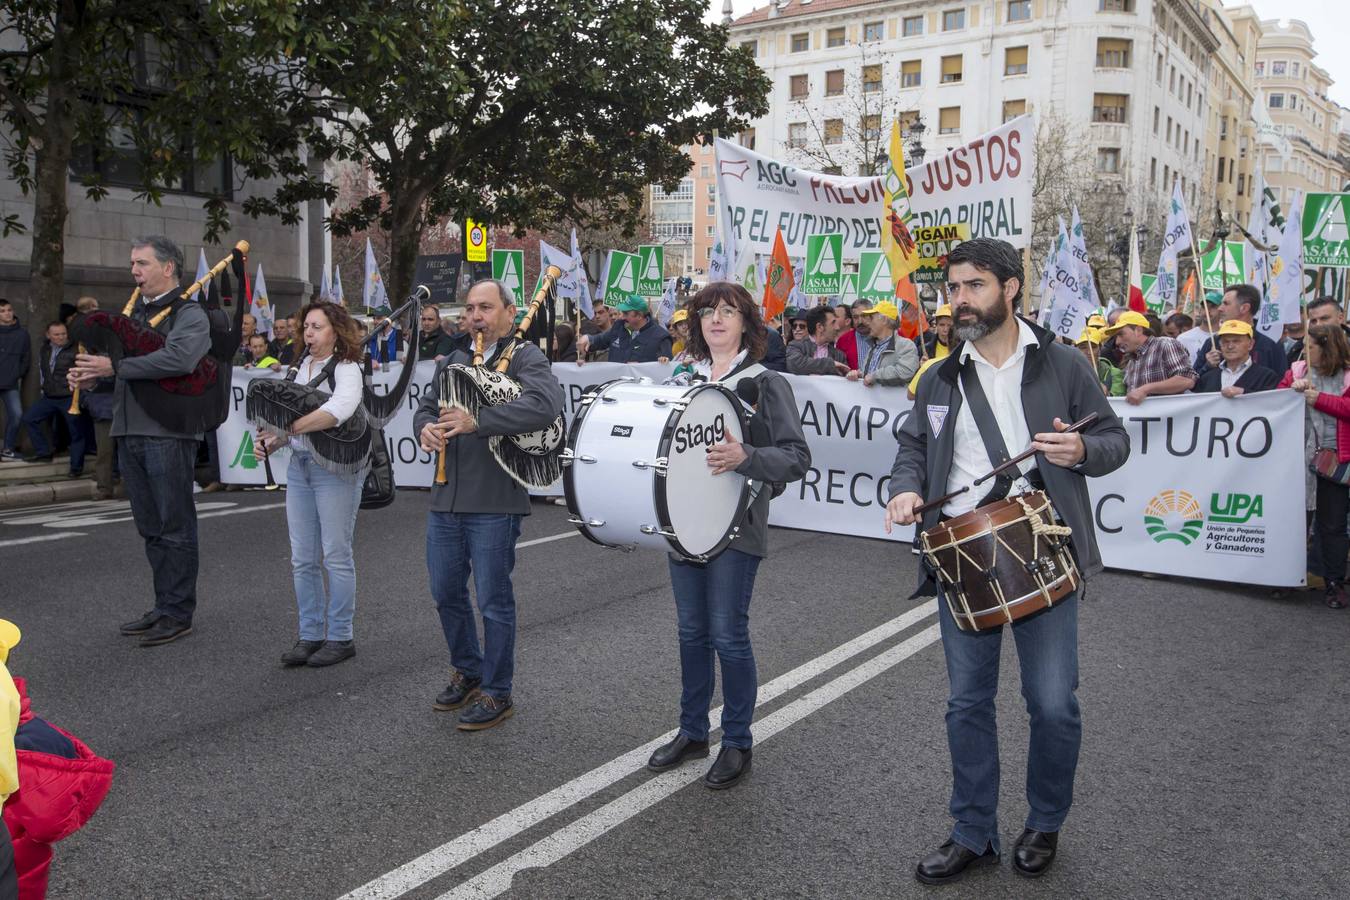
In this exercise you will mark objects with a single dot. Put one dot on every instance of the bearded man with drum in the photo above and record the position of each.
(1006, 386)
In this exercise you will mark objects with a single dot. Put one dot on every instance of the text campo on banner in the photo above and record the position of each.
(1213, 487)
(984, 184)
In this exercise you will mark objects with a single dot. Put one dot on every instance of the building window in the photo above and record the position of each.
(874, 31)
(1275, 101)
(712, 209)
(1120, 6)
(911, 26)
(1108, 160)
(801, 42)
(747, 138)
(1278, 67)
(949, 120)
(1260, 69)
(834, 131)
(951, 69)
(834, 37)
(1153, 172)
(834, 82)
(911, 73)
(1156, 114)
(1157, 76)
(1294, 70)
(797, 134)
(712, 229)
(1219, 179)
(907, 121)
(832, 170)
(1013, 108)
(871, 127)
(1109, 108)
(871, 80)
(1019, 10)
(953, 19)
(799, 87)
(705, 171)
(1015, 61)
(1169, 129)
(1223, 128)
(752, 46)
(1113, 53)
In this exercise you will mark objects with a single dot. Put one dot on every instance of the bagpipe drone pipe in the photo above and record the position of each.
(187, 404)
(534, 459)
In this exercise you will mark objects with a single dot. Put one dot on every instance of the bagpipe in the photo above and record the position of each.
(344, 449)
(191, 403)
(534, 459)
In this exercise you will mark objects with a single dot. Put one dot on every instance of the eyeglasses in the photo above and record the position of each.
(722, 312)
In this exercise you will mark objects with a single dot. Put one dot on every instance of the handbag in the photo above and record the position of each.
(378, 490)
(1326, 464)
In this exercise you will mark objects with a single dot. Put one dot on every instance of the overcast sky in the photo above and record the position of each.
(1329, 21)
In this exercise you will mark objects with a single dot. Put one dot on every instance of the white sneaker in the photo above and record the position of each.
(9, 454)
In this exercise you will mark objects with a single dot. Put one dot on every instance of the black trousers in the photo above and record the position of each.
(1329, 528)
(9, 876)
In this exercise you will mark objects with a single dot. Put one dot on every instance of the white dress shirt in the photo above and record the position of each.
(1228, 377)
(1003, 389)
(1193, 339)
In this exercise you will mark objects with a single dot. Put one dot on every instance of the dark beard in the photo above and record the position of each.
(985, 324)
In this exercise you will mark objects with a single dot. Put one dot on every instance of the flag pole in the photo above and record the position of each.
(1200, 279)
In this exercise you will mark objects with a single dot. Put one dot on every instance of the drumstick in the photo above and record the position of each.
(1086, 421)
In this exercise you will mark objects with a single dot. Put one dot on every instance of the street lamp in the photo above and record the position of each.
(916, 151)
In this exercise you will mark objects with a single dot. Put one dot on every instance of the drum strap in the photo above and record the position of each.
(989, 432)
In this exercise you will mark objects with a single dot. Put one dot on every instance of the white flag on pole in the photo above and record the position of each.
(202, 269)
(550, 255)
(337, 285)
(666, 309)
(1078, 244)
(717, 263)
(1068, 309)
(1286, 282)
(262, 306)
(373, 294)
(1176, 237)
(325, 285)
(1267, 132)
(583, 283)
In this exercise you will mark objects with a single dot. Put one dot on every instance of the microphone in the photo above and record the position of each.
(748, 390)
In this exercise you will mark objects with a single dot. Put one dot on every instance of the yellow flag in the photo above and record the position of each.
(896, 240)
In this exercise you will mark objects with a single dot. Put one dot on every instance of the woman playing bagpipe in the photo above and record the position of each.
(727, 340)
(330, 447)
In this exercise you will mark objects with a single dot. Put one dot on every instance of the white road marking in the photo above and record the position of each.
(41, 537)
(545, 540)
(442, 859)
(574, 836)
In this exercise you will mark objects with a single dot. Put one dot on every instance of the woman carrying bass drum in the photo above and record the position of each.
(712, 599)
(322, 496)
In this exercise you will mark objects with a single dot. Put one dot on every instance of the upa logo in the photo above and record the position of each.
(244, 457)
(1234, 509)
(1173, 516)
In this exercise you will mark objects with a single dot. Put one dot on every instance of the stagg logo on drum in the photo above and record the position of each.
(696, 435)
(1173, 516)
(621, 431)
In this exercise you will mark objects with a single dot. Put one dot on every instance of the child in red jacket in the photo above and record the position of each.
(61, 784)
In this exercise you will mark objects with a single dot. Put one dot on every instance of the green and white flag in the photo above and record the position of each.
(1214, 268)
(619, 277)
(651, 273)
(848, 289)
(824, 264)
(508, 267)
(874, 276)
(1326, 234)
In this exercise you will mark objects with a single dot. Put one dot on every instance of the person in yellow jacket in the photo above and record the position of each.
(9, 765)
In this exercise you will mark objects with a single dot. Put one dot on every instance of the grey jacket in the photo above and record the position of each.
(1057, 380)
(898, 364)
(189, 339)
(475, 483)
(776, 451)
(801, 358)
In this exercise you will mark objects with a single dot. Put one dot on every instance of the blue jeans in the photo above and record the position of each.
(321, 516)
(484, 545)
(1047, 652)
(13, 402)
(712, 601)
(157, 478)
(44, 409)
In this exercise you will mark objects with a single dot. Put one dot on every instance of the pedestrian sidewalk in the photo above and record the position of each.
(33, 484)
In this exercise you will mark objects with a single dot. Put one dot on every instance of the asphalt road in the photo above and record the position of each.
(1214, 759)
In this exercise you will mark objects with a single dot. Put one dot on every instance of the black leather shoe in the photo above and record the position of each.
(141, 625)
(668, 756)
(1034, 853)
(949, 863)
(457, 693)
(165, 631)
(332, 653)
(300, 653)
(731, 766)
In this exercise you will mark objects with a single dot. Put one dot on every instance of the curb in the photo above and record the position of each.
(19, 495)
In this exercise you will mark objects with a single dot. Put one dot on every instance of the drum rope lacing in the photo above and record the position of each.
(1039, 527)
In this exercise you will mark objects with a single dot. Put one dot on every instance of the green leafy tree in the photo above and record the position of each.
(524, 114)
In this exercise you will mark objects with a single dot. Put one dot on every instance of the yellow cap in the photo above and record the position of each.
(680, 316)
(1096, 320)
(1233, 326)
(9, 638)
(885, 308)
(943, 310)
(1129, 317)
(1090, 335)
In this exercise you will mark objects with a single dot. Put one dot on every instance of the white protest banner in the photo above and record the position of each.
(1213, 488)
(985, 184)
